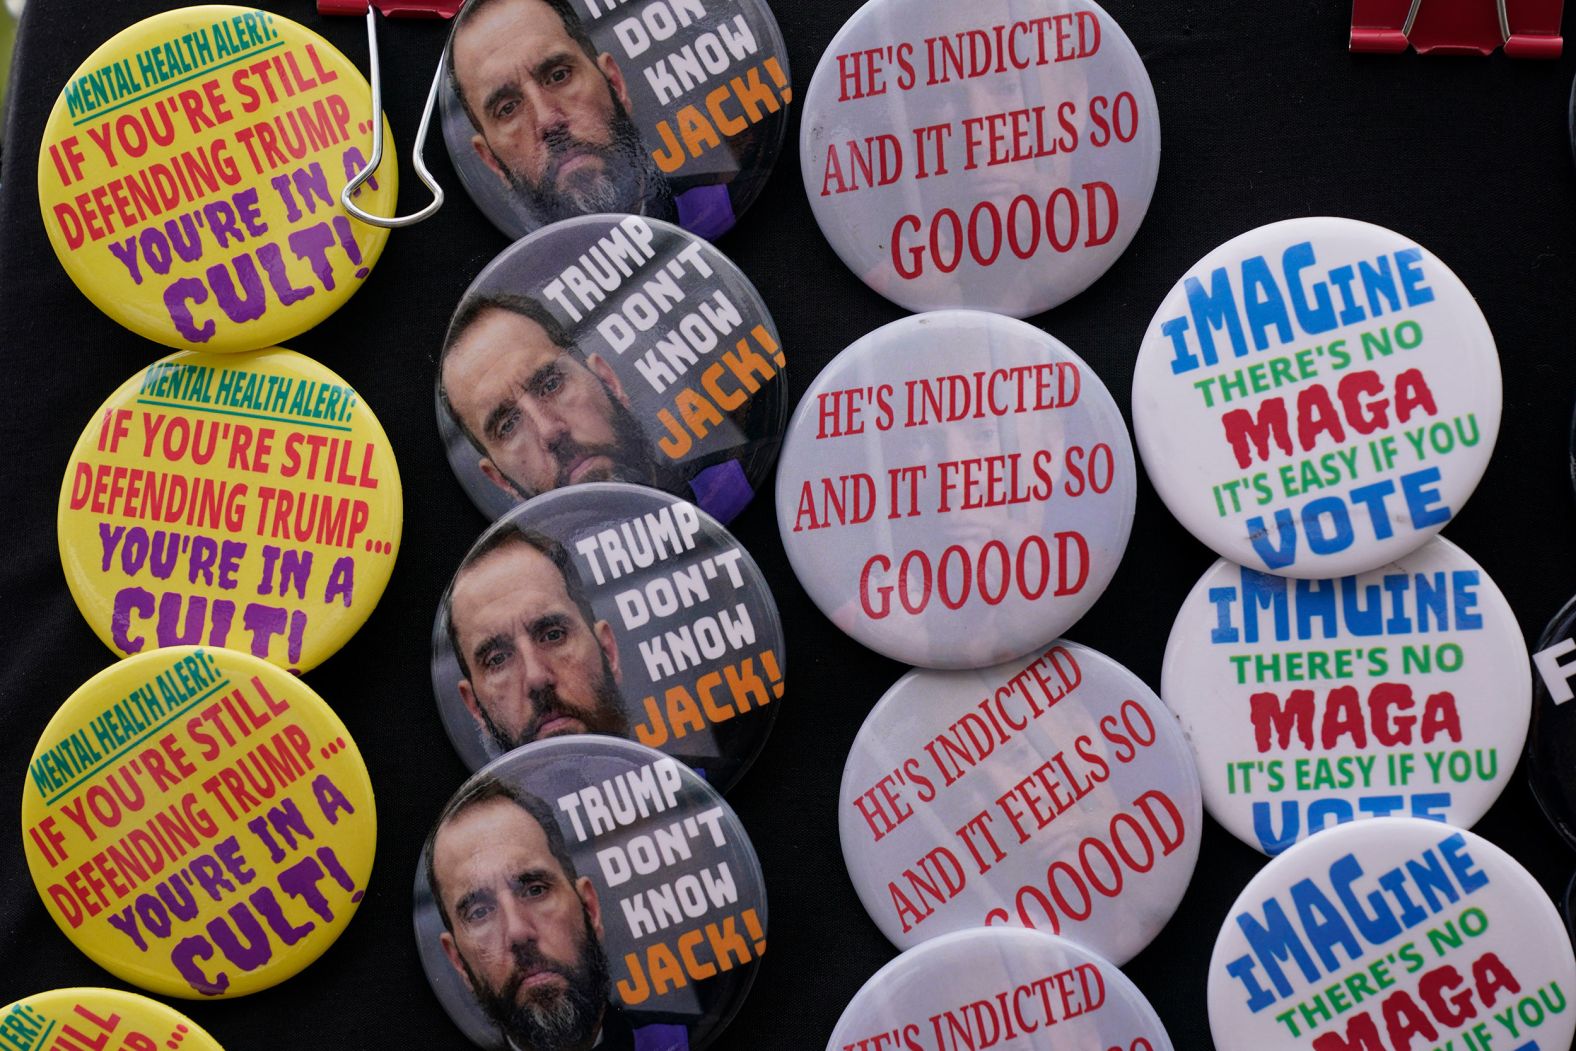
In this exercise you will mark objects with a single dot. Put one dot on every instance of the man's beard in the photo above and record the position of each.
(606, 716)
(628, 454)
(550, 1018)
(627, 182)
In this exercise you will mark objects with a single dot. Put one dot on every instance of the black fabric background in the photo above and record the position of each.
(1265, 116)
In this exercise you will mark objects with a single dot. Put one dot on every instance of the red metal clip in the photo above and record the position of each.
(392, 8)
(1525, 28)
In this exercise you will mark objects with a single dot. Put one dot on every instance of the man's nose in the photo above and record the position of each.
(552, 119)
(519, 925)
(539, 674)
(551, 425)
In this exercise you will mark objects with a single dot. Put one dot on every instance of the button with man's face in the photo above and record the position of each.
(671, 109)
(587, 891)
(612, 348)
(190, 177)
(610, 609)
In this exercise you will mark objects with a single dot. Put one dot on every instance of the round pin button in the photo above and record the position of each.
(99, 1018)
(671, 110)
(956, 489)
(241, 500)
(1400, 691)
(1396, 932)
(975, 155)
(1316, 398)
(610, 609)
(190, 175)
(1568, 908)
(1571, 120)
(1000, 987)
(1055, 793)
(587, 891)
(612, 348)
(198, 822)
(1573, 450)
(1551, 742)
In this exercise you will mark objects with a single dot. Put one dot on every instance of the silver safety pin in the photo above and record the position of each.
(392, 222)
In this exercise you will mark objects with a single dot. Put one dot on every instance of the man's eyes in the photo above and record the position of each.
(555, 76)
(505, 426)
(480, 911)
(547, 635)
(547, 383)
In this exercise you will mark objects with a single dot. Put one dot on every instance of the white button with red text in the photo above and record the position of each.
(1055, 793)
(982, 154)
(956, 489)
(999, 988)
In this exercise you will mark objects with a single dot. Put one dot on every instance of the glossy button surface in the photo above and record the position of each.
(587, 891)
(612, 348)
(99, 1018)
(1445, 938)
(983, 154)
(1400, 691)
(610, 609)
(242, 500)
(674, 111)
(999, 987)
(956, 489)
(198, 822)
(1055, 793)
(190, 173)
(1316, 397)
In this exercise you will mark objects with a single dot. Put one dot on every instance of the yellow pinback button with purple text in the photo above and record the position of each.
(241, 500)
(190, 178)
(98, 1018)
(198, 822)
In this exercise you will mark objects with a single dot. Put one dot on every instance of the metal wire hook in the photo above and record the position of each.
(393, 222)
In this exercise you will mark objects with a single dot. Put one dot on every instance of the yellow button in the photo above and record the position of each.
(99, 1018)
(198, 822)
(190, 176)
(242, 500)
